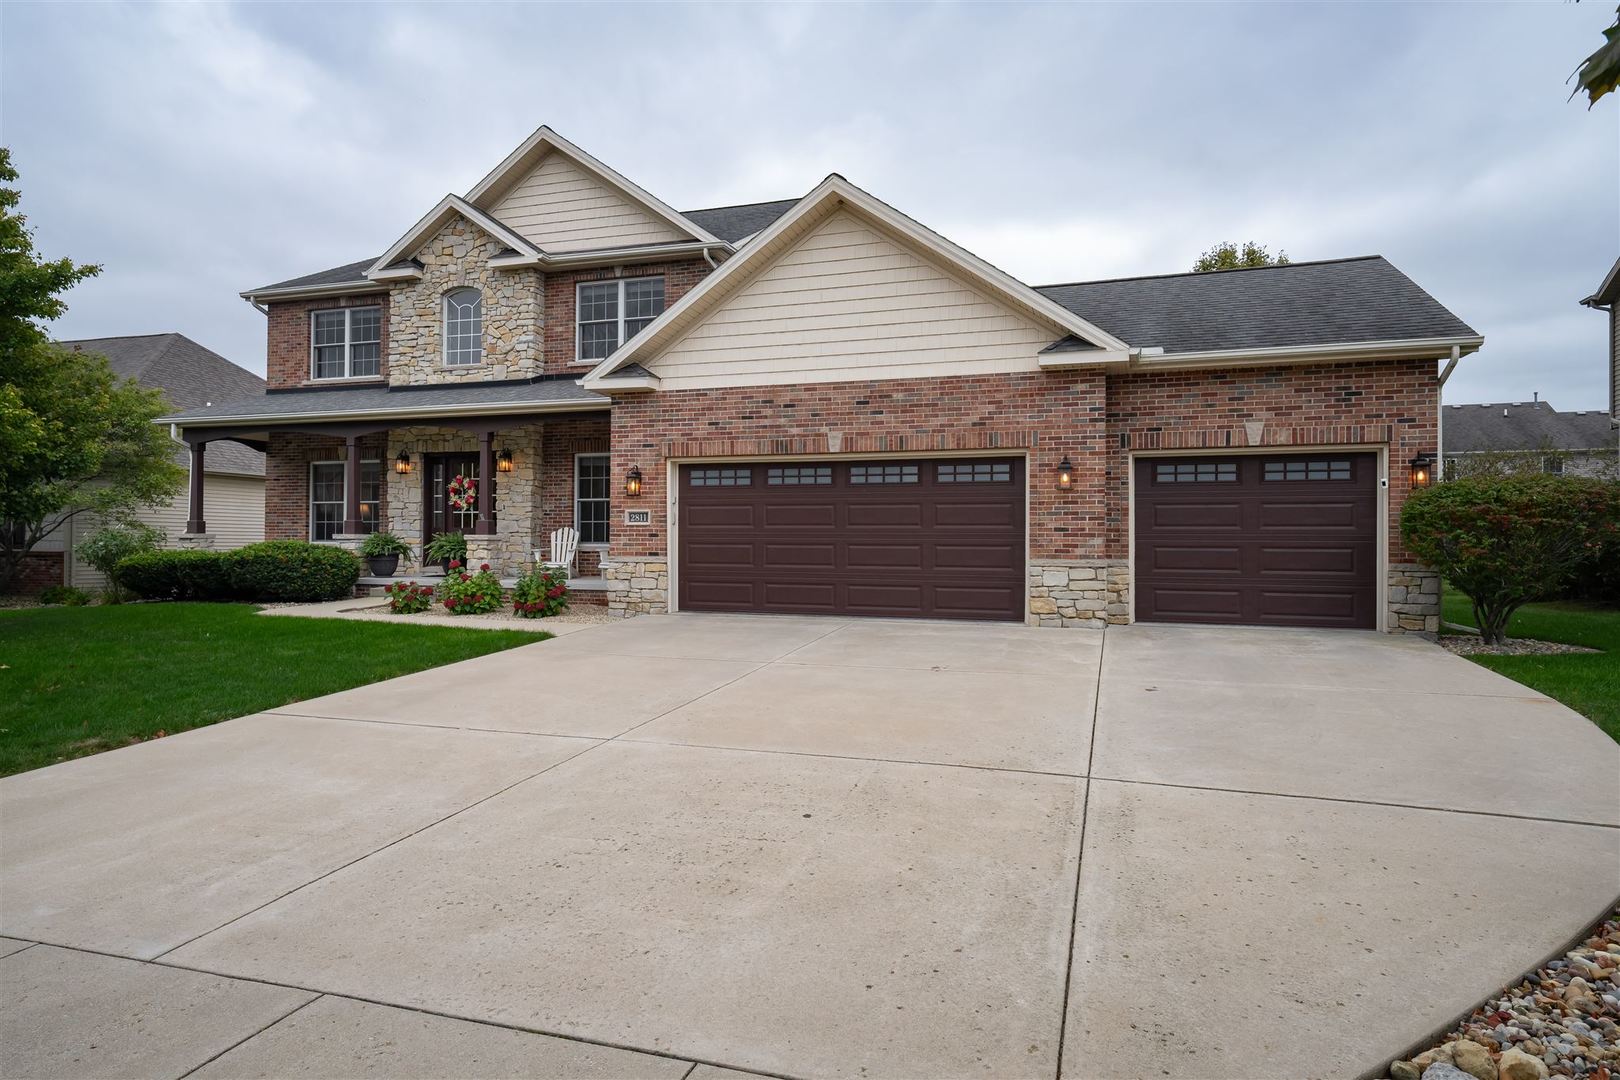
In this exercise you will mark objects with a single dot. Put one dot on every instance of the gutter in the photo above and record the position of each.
(1145, 359)
(609, 256)
(299, 292)
(505, 408)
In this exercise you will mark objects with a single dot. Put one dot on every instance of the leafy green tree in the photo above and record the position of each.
(74, 438)
(1509, 540)
(1228, 256)
(1600, 72)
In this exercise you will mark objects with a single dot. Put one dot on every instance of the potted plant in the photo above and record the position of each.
(445, 548)
(382, 550)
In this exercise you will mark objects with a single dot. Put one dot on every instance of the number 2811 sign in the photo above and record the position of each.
(638, 517)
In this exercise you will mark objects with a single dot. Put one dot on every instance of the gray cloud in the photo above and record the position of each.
(197, 150)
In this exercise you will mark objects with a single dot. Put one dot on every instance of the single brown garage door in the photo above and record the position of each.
(928, 539)
(1285, 540)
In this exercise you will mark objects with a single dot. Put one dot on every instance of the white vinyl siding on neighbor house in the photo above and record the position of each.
(848, 302)
(235, 514)
(561, 207)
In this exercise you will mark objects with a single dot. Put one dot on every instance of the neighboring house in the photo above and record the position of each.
(1607, 298)
(819, 405)
(1528, 436)
(190, 376)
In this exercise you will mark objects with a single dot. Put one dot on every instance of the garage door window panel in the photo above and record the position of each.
(1201, 472)
(799, 475)
(1307, 470)
(982, 472)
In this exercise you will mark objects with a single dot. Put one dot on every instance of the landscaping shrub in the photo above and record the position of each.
(1509, 540)
(466, 593)
(105, 548)
(407, 598)
(540, 591)
(294, 571)
(178, 575)
(65, 595)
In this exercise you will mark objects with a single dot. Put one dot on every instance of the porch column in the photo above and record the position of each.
(351, 487)
(486, 484)
(194, 514)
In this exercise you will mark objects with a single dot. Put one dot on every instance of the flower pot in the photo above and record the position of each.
(383, 565)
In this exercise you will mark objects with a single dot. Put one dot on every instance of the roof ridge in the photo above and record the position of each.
(119, 337)
(740, 206)
(1206, 273)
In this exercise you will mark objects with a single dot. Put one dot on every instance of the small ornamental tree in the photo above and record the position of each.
(110, 545)
(1510, 540)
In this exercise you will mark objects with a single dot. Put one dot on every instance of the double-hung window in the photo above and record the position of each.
(591, 497)
(326, 498)
(346, 343)
(609, 313)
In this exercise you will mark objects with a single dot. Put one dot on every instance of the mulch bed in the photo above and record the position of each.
(1471, 645)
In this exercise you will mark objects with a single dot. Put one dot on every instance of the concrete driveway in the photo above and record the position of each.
(810, 847)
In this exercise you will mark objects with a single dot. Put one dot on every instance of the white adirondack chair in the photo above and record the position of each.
(564, 550)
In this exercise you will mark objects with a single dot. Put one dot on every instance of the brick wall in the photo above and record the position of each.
(1052, 414)
(287, 355)
(39, 571)
(561, 441)
(1389, 402)
(286, 479)
(561, 293)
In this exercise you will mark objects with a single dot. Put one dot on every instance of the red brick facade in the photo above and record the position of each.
(1391, 402)
(560, 441)
(39, 571)
(287, 355)
(286, 479)
(562, 292)
(1049, 414)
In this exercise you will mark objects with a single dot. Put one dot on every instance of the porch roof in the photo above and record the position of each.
(275, 407)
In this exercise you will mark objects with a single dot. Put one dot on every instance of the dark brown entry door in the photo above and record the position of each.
(1272, 539)
(439, 517)
(929, 539)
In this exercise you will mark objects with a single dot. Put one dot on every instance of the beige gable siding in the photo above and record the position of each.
(234, 507)
(847, 303)
(561, 207)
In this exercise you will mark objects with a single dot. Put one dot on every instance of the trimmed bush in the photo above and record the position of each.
(294, 571)
(110, 545)
(178, 575)
(66, 595)
(1510, 540)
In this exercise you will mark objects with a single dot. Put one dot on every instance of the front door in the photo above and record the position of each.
(439, 515)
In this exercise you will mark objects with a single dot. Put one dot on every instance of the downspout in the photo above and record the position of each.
(1440, 411)
(709, 258)
(261, 310)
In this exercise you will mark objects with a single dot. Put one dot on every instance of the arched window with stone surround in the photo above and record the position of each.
(463, 327)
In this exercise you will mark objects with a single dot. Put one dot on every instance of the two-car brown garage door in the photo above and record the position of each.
(1286, 540)
(939, 539)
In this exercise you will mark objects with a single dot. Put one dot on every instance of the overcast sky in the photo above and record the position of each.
(200, 150)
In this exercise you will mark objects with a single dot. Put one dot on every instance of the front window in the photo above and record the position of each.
(463, 327)
(326, 498)
(346, 343)
(591, 498)
(610, 313)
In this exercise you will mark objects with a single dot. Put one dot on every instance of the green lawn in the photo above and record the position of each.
(75, 681)
(1589, 683)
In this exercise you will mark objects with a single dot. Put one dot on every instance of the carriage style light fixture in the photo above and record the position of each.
(632, 481)
(1065, 473)
(402, 464)
(503, 461)
(1422, 471)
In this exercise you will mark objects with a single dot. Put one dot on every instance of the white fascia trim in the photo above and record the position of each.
(448, 207)
(1084, 358)
(553, 141)
(298, 292)
(280, 419)
(637, 384)
(399, 273)
(1297, 354)
(836, 187)
(607, 256)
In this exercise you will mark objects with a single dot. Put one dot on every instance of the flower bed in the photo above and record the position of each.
(407, 598)
(466, 593)
(540, 592)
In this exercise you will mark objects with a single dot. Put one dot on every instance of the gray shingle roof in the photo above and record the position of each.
(1529, 425)
(190, 376)
(1312, 303)
(733, 223)
(350, 399)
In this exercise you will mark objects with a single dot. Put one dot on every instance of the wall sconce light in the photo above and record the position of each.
(1065, 473)
(503, 461)
(402, 464)
(632, 481)
(1422, 471)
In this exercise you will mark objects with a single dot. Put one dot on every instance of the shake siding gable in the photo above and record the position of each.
(561, 207)
(847, 302)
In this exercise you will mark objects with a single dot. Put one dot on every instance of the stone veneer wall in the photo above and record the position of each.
(1089, 592)
(1414, 600)
(517, 493)
(636, 586)
(514, 301)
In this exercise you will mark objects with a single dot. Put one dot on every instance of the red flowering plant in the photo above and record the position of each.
(467, 593)
(409, 598)
(540, 591)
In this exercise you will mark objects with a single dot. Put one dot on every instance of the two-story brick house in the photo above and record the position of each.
(819, 405)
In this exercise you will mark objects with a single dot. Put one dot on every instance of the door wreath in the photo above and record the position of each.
(462, 494)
